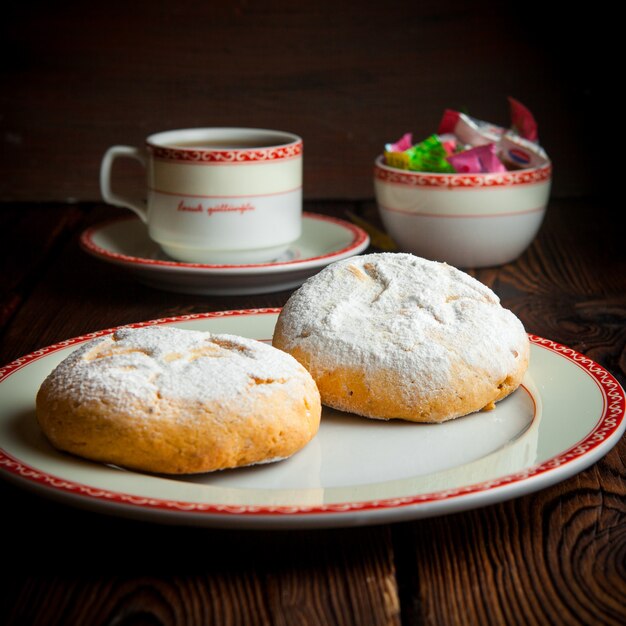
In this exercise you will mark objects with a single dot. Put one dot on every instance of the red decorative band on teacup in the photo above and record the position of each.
(463, 181)
(244, 155)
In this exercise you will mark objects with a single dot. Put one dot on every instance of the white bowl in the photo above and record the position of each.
(466, 220)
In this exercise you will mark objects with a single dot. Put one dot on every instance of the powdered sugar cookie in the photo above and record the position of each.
(176, 401)
(396, 336)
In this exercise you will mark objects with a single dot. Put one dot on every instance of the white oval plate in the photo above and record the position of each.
(125, 242)
(568, 413)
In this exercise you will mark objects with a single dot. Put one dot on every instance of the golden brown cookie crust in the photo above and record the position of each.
(165, 400)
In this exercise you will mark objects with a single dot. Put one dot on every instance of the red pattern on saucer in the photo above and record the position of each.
(359, 237)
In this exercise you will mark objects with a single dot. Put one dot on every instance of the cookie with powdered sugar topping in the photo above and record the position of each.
(393, 335)
(174, 401)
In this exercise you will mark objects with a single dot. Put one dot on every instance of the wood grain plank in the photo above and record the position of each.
(170, 575)
(331, 595)
(166, 600)
(29, 236)
(554, 557)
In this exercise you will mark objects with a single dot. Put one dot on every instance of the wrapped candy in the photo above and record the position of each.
(404, 143)
(481, 159)
(399, 160)
(464, 144)
(450, 143)
(429, 155)
(522, 121)
(518, 153)
(469, 130)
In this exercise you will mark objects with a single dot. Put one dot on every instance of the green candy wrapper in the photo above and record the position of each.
(429, 156)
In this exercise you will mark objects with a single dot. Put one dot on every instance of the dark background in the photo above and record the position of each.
(347, 76)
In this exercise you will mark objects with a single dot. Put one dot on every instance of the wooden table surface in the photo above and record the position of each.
(557, 556)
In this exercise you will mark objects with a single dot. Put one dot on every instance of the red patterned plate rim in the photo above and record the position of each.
(359, 238)
(609, 424)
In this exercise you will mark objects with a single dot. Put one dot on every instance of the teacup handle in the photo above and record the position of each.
(134, 204)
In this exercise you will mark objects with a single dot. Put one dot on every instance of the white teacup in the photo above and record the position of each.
(217, 195)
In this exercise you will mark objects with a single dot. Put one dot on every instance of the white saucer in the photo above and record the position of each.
(125, 242)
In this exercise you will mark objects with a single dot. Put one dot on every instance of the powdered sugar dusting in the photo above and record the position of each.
(406, 315)
(136, 367)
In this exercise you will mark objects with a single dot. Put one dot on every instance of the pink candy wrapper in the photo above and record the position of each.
(481, 159)
(404, 143)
